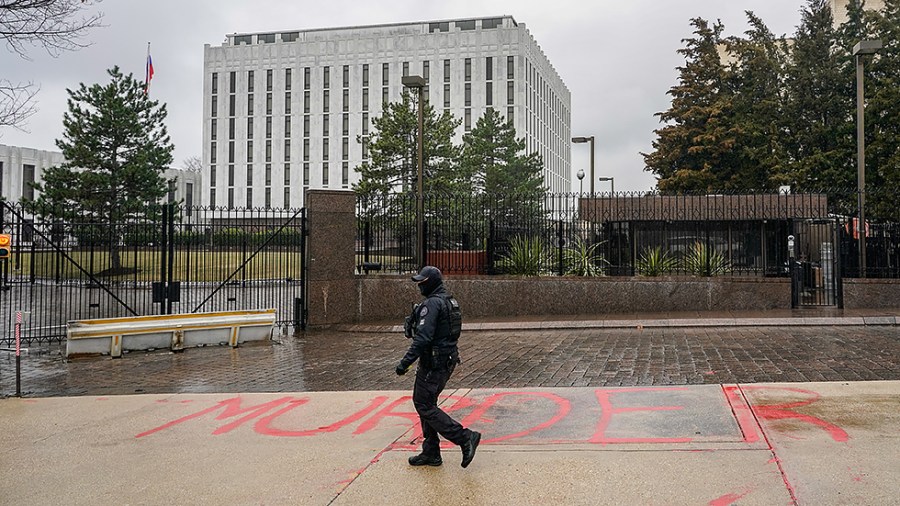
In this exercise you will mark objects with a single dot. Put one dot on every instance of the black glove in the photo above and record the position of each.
(401, 369)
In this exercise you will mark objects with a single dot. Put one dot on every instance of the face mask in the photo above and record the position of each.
(423, 289)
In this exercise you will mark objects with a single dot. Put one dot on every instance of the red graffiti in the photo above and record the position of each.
(262, 426)
(742, 413)
(727, 499)
(603, 396)
(785, 412)
(563, 408)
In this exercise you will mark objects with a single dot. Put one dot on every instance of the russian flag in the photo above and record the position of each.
(149, 73)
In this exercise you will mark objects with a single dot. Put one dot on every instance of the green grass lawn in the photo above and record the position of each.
(144, 265)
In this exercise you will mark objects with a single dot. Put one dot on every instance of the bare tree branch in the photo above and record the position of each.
(192, 164)
(55, 25)
(16, 103)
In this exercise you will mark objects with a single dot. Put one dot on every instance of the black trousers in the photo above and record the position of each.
(429, 384)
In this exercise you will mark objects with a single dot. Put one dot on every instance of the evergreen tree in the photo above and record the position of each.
(882, 82)
(819, 135)
(116, 146)
(697, 143)
(756, 78)
(493, 160)
(393, 155)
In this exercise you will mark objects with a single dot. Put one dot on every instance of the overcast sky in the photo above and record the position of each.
(617, 57)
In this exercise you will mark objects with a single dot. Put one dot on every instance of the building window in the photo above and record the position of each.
(326, 125)
(269, 80)
(446, 71)
(287, 150)
(266, 38)
(306, 102)
(345, 174)
(326, 148)
(365, 123)
(27, 182)
(467, 69)
(468, 95)
(250, 104)
(268, 103)
(510, 92)
(345, 73)
(446, 96)
(249, 151)
(385, 96)
(468, 120)
(287, 102)
(214, 109)
(290, 36)
(268, 127)
(345, 99)
(509, 114)
(231, 198)
(306, 174)
(249, 128)
(426, 70)
(287, 126)
(365, 72)
(212, 197)
(406, 68)
(326, 77)
(365, 99)
(466, 25)
(232, 82)
(345, 124)
(287, 174)
(213, 129)
(249, 197)
(188, 197)
(510, 67)
(439, 27)
(230, 174)
(287, 79)
(345, 148)
(249, 174)
(489, 94)
(250, 81)
(385, 74)
(268, 174)
(306, 125)
(488, 24)
(215, 82)
(230, 151)
(287, 198)
(306, 78)
(268, 151)
(305, 150)
(212, 176)
(489, 68)
(231, 128)
(326, 101)
(365, 148)
(325, 174)
(231, 105)
(212, 152)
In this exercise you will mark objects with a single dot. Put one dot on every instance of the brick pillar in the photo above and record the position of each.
(331, 217)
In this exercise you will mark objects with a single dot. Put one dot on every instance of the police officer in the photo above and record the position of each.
(437, 323)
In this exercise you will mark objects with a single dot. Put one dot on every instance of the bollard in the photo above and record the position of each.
(18, 354)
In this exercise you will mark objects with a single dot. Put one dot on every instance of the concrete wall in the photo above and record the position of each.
(386, 298)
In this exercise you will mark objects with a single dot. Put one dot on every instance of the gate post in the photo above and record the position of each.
(332, 294)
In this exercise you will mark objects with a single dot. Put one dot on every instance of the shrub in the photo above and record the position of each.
(703, 261)
(582, 259)
(655, 262)
(527, 256)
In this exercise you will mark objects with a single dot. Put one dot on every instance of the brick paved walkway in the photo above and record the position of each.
(337, 361)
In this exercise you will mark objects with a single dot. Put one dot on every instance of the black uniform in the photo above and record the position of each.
(435, 347)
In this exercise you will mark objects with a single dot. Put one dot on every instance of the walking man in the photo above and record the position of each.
(434, 327)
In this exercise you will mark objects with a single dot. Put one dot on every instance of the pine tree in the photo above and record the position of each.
(116, 146)
(756, 78)
(819, 135)
(695, 148)
(393, 154)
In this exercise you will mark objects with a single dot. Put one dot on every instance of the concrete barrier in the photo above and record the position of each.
(112, 336)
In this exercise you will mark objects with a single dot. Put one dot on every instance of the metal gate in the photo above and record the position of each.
(815, 264)
(171, 259)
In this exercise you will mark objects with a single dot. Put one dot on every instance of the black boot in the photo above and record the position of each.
(468, 448)
(425, 460)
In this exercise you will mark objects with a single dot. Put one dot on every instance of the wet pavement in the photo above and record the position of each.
(335, 360)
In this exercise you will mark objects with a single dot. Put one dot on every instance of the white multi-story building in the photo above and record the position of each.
(282, 111)
(20, 168)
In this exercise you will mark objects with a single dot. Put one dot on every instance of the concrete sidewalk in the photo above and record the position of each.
(796, 443)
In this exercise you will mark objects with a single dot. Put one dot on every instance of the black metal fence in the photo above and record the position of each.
(167, 259)
(624, 234)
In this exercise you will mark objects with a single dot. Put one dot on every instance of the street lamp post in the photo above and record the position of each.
(418, 83)
(612, 183)
(580, 140)
(861, 49)
(580, 176)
